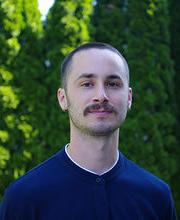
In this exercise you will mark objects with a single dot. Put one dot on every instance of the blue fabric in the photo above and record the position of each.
(58, 189)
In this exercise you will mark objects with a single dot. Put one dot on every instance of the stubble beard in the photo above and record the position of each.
(96, 130)
(80, 123)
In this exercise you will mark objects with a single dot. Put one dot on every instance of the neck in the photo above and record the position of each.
(95, 153)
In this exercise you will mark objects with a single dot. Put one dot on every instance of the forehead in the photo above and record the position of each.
(97, 61)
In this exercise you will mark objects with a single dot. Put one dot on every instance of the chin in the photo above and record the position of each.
(101, 131)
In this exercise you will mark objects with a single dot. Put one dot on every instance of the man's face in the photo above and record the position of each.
(97, 95)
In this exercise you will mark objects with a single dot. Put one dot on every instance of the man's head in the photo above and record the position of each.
(66, 65)
(95, 89)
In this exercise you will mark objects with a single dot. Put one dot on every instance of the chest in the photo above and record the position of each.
(98, 201)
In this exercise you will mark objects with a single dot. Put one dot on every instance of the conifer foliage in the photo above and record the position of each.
(175, 50)
(110, 23)
(152, 78)
(16, 129)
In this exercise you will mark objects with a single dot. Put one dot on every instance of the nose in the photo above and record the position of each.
(100, 95)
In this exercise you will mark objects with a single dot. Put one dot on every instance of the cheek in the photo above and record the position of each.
(121, 97)
(84, 98)
(120, 102)
(76, 104)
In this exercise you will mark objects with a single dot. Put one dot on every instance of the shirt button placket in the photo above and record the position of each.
(100, 199)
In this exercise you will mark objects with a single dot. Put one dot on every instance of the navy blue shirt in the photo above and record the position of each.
(58, 189)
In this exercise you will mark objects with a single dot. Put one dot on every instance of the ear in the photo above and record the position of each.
(61, 95)
(130, 98)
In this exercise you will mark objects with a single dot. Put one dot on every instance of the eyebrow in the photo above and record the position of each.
(86, 75)
(91, 75)
(113, 76)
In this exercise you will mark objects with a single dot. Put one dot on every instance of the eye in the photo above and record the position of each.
(86, 84)
(113, 84)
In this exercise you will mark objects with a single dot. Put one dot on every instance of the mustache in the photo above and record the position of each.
(105, 106)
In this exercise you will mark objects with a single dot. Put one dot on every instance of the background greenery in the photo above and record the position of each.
(32, 127)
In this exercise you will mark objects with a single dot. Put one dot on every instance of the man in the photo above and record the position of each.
(89, 179)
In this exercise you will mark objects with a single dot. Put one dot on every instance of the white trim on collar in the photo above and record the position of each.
(88, 169)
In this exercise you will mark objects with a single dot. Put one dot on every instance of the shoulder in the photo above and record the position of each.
(144, 177)
(24, 191)
(37, 174)
(149, 186)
